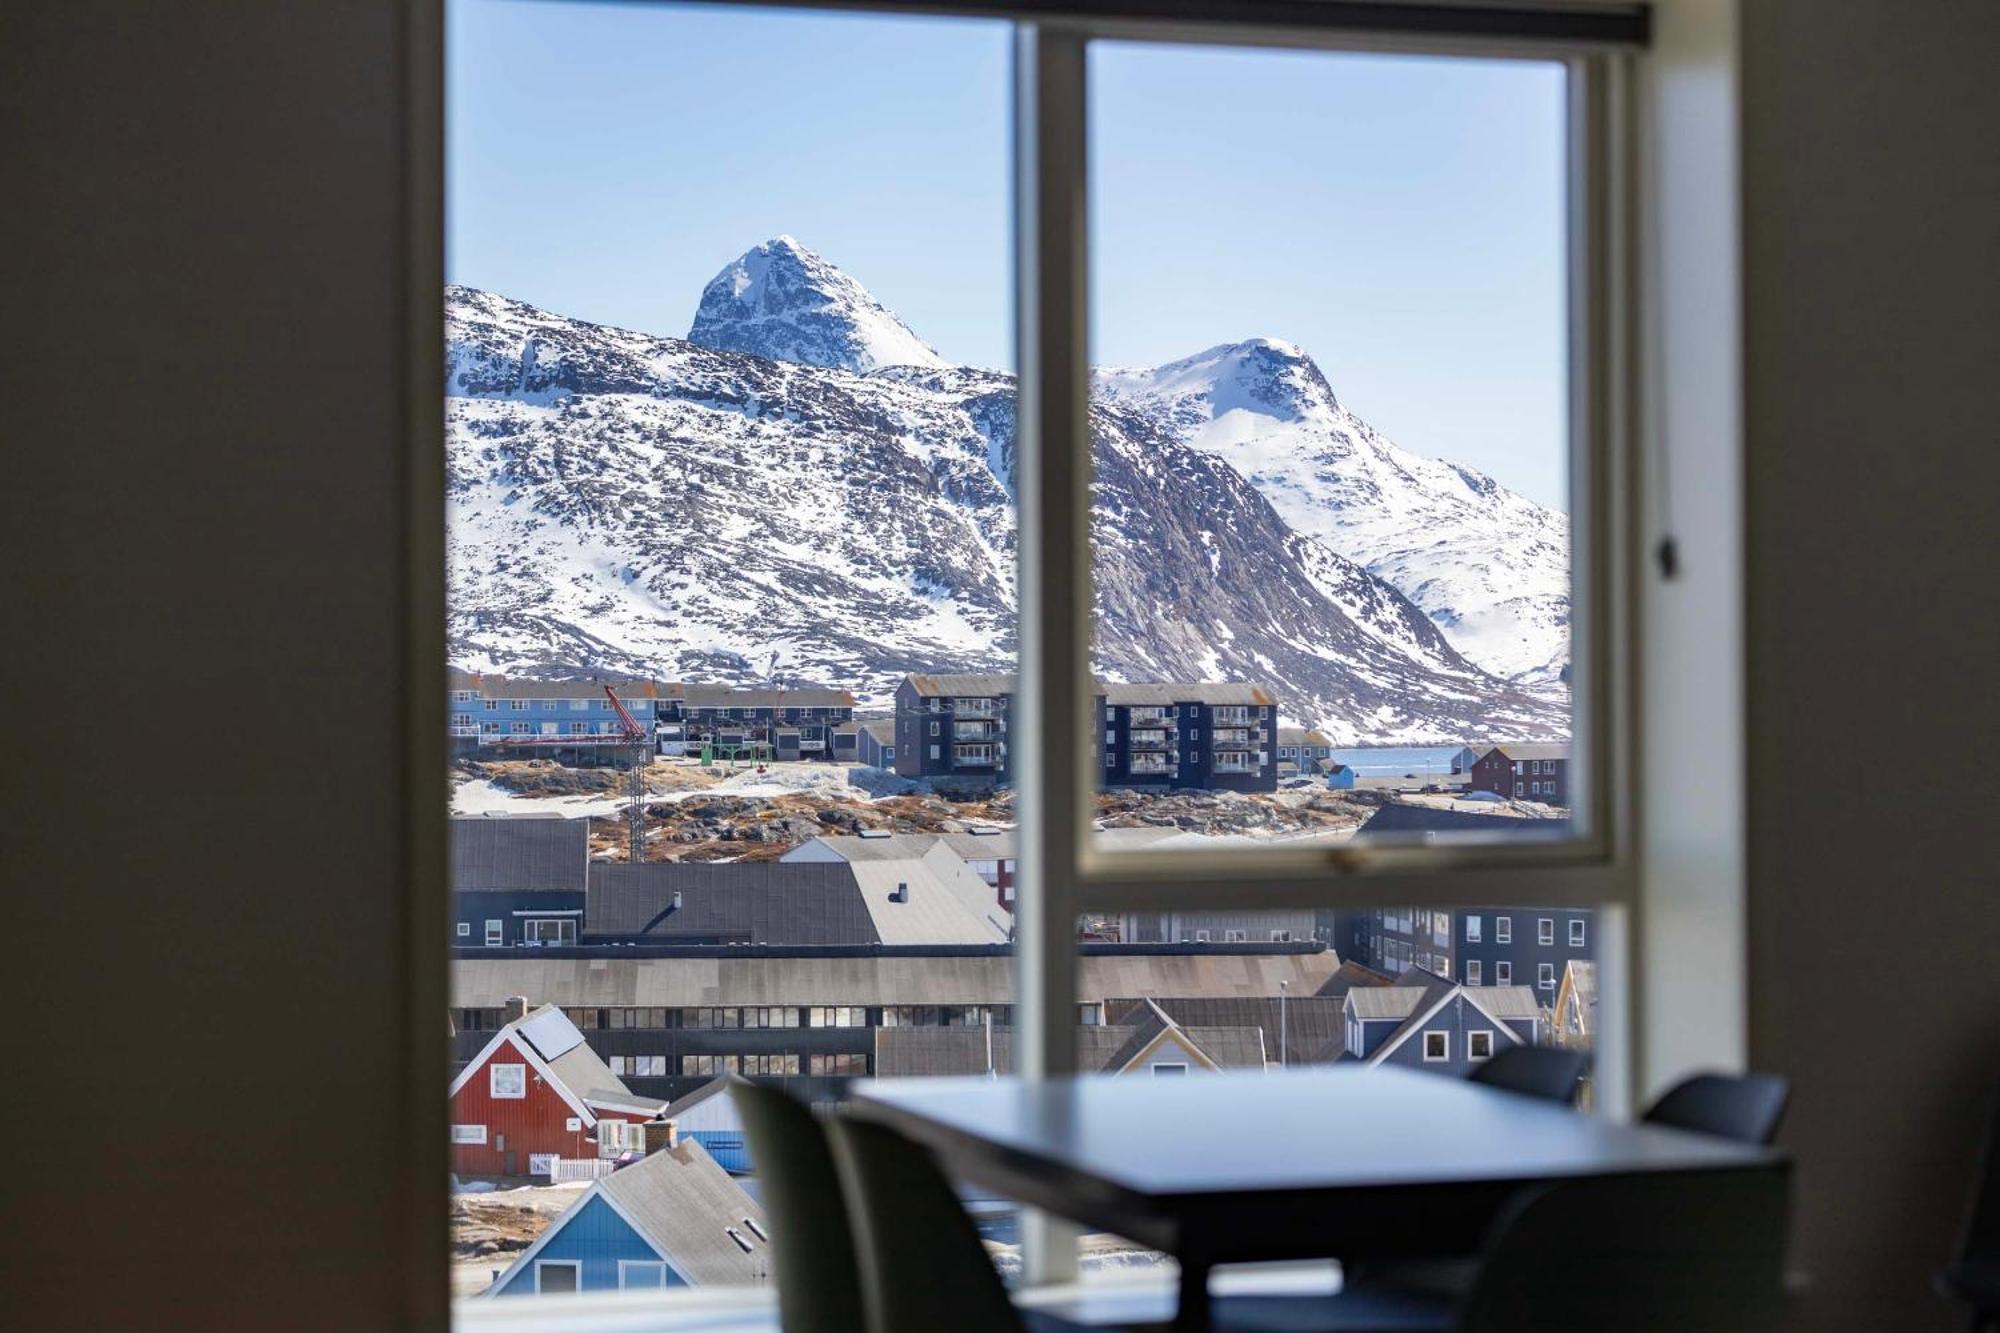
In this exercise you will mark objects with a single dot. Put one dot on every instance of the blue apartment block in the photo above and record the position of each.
(550, 718)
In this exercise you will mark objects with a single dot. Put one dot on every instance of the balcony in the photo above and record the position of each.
(982, 730)
(972, 756)
(976, 707)
(1150, 765)
(1232, 736)
(465, 729)
(1151, 740)
(1235, 762)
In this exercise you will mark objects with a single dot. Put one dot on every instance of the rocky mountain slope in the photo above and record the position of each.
(705, 509)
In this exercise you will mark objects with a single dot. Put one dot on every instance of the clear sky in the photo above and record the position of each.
(1401, 219)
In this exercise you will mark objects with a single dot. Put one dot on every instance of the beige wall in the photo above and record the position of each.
(212, 1121)
(1871, 167)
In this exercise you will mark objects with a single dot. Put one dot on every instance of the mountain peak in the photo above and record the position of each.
(1267, 377)
(782, 301)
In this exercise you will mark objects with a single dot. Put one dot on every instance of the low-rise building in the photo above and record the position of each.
(570, 720)
(518, 881)
(1303, 750)
(673, 1219)
(875, 742)
(1427, 1022)
(1524, 772)
(1148, 1043)
(1204, 734)
(729, 721)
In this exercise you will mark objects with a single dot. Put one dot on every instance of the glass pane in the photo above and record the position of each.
(729, 418)
(1331, 530)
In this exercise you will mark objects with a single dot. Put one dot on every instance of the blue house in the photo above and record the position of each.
(518, 881)
(1339, 777)
(556, 718)
(672, 1219)
(876, 742)
(708, 1116)
(1426, 1022)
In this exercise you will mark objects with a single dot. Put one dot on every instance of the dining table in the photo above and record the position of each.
(1349, 1162)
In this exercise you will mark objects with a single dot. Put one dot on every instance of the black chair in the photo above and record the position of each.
(1547, 1072)
(813, 1245)
(1972, 1278)
(1743, 1107)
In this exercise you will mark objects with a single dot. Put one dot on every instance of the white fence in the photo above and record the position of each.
(579, 1168)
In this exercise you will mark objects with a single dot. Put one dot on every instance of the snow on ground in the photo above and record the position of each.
(481, 797)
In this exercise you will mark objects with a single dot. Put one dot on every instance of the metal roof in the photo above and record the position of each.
(1525, 750)
(683, 1203)
(972, 687)
(515, 687)
(1303, 736)
(1350, 975)
(758, 902)
(883, 729)
(1372, 1003)
(731, 696)
(1190, 692)
(905, 1052)
(933, 899)
(874, 980)
(895, 847)
(1000, 844)
(515, 855)
(1309, 1022)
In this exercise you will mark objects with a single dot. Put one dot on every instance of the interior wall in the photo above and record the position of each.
(212, 1119)
(1872, 233)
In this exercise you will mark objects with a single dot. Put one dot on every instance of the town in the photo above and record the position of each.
(605, 989)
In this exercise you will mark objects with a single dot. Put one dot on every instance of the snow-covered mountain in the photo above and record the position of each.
(684, 508)
(784, 302)
(1489, 566)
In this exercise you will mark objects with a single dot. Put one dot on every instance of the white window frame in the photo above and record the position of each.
(1503, 973)
(1503, 930)
(1475, 972)
(1472, 1044)
(1545, 976)
(496, 932)
(574, 1265)
(1162, 1067)
(1473, 930)
(517, 1071)
(1579, 933)
(1545, 932)
(626, 1266)
(469, 1134)
(1443, 1039)
(465, 930)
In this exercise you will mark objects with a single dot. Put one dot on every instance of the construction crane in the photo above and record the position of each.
(640, 739)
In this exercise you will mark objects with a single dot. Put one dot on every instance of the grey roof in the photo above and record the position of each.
(895, 847)
(883, 729)
(902, 1052)
(1507, 1001)
(1190, 692)
(1309, 1022)
(693, 1099)
(1303, 736)
(1374, 1003)
(551, 1035)
(999, 844)
(972, 687)
(513, 855)
(986, 978)
(1349, 975)
(1404, 817)
(682, 1202)
(941, 901)
(756, 902)
(517, 687)
(731, 696)
(1527, 750)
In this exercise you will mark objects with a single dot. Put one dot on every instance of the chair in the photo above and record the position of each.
(1743, 1107)
(1547, 1072)
(1972, 1278)
(814, 1253)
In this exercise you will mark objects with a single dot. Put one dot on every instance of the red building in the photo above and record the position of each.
(1524, 773)
(535, 1094)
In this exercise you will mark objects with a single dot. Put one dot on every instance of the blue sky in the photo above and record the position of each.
(1401, 219)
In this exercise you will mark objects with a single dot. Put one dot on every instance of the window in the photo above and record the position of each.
(1479, 1044)
(549, 930)
(1545, 930)
(461, 696)
(648, 1273)
(1503, 973)
(1545, 976)
(1472, 929)
(1235, 936)
(495, 932)
(507, 1082)
(1281, 937)
(1165, 1069)
(464, 929)
(558, 1276)
(1577, 931)
(1503, 930)
(492, 705)
(1437, 1046)
(1474, 972)
(468, 1133)
(1201, 937)
(518, 705)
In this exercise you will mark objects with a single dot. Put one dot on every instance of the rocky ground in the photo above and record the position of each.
(757, 814)
(489, 1230)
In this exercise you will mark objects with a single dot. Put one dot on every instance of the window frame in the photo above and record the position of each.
(1443, 1039)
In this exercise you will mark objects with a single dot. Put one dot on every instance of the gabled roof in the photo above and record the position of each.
(1302, 736)
(1517, 750)
(875, 847)
(1188, 692)
(1577, 996)
(1308, 1023)
(517, 855)
(942, 901)
(971, 687)
(883, 729)
(913, 1051)
(1348, 976)
(689, 1101)
(753, 902)
(1501, 1004)
(490, 686)
(576, 1073)
(679, 1202)
(1000, 844)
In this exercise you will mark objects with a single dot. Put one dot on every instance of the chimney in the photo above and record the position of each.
(677, 900)
(662, 1134)
(516, 1009)
(902, 893)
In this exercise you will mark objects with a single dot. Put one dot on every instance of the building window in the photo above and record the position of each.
(1235, 937)
(1503, 930)
(492, 705)
(519, 728)
(1576, 933)
(1479, 1045)
(1545, 930)
(518, 705)
(1503, 973)
(1474, 972)
(495, 932)
(553, 1276)
(464, 930)
(507, 1082)
(461, 696)
(1281, 937)
(1545, 976)
(1472, 930)
(468, 1133)
(641, 1273)
(1437, 1046)
(1166, 1069)
(1201, 937)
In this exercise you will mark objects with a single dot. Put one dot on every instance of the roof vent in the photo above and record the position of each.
(737, 1236)
(902, 893)
(983, 831)
(874, 833)
(677, 900)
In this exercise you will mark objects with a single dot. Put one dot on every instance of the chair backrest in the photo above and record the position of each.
(923, 1267)
(1548, 1072)
(1666, 1253)
(1744, 1107)
(812, 1241)
(1979, 1239)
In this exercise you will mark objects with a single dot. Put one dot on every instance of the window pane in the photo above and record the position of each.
(1331, 529)
(729, 417)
